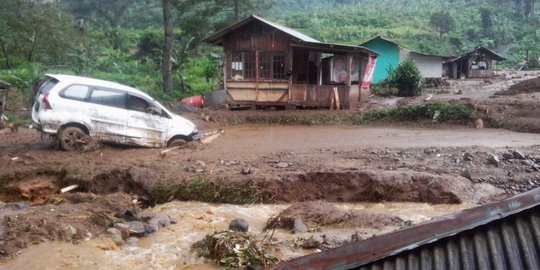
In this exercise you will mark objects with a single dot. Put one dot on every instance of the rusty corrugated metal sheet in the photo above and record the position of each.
(501, 235)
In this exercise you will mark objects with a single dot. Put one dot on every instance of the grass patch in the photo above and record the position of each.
(447, 112)
(292, 119)
(221, 191)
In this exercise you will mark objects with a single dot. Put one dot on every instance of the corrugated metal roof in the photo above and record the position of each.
(495, 55)
(301, 39)
(401, 46)
(287, 30)
(500, 235)
(218, 35)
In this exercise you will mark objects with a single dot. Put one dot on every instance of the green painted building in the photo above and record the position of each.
(392, 54)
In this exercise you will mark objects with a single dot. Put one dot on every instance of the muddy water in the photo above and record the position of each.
(170, 247)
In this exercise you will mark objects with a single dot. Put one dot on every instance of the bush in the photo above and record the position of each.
(407, 78)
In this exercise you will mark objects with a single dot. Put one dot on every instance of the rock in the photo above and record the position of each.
(229, 162)
(152, 225)
(467, 156)
(17, 206)
(70, 231)
(123, 228)
(518, 155)
(282, 164)
(466, 173)
(508, 156)
(116, 236)
(493, 159)
(191, 168)
(528, 162)
(314, 241)
(201, 163)
(300, 226)
(132, 242)
(332, 241)
(246, 170)
(355, 237)
(239, 225)
(127, 215)
(136, 228)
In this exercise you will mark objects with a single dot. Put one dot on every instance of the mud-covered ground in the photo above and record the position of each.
(442, 164)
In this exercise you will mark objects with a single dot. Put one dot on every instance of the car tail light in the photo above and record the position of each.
(45, 102)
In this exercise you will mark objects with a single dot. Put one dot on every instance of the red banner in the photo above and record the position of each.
(368, 75)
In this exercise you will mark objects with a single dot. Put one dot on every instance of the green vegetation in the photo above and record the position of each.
(447, 112)
(310, 120)
(208, 191)
(407, 78)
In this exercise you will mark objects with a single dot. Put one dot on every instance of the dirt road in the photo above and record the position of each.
(255, 140)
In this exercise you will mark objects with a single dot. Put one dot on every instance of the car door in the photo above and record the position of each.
(147, 123)
(108, 113)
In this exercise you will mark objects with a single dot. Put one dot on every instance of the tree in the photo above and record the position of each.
(442, 22)
(407, 78)
(529, 7)
(168, 48)
(34, 31)
(243, 7)
(108, 14)
(487, 23)
(195, 20)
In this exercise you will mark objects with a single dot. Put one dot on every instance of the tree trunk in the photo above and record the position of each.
(30, 53)
(236, 11)
(6, 56)
(168, 50)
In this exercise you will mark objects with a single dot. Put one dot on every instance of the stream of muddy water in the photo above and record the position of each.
(169, 248)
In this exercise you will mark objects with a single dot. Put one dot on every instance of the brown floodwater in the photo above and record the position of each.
(170, 247)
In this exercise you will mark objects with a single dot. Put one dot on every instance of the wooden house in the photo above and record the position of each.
(477, 63)
(267, 64)
(392, 54)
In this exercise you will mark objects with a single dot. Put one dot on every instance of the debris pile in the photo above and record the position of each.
(523, 87)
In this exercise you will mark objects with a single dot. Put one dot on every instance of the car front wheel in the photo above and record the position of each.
(71, 138)
(176, 142)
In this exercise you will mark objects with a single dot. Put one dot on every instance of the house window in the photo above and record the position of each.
(279, 67)
(272, 66)
(242, 66)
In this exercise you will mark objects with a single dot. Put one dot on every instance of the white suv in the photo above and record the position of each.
(72, 108)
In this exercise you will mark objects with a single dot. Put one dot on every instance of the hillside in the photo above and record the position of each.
(504, 25)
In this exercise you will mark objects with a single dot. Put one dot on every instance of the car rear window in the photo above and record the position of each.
(47, 86)
(78, 92)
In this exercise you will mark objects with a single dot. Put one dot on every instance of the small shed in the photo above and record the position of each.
(392, 54)
(477, 63)
(267, 64)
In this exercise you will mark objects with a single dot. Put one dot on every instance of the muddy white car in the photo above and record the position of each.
(73, 108)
